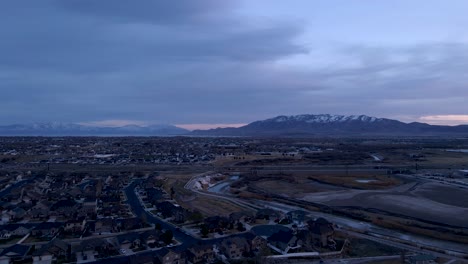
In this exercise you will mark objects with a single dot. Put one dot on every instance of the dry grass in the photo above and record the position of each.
(352, 181)
(286, 188)
(210, 206)
(417, 227)
(441, 157)
(231, 160)
(177, 181)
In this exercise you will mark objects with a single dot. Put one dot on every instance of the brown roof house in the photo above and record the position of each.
(321, 232)
(201, 254)
(55, 250)
(235, 247)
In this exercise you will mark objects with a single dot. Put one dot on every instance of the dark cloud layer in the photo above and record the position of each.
(198, 62)
(148, 11)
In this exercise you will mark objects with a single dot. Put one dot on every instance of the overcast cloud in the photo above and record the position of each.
(220, 62)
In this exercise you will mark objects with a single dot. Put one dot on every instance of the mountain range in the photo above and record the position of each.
(335, 125)
(289, 126)
(67, 129)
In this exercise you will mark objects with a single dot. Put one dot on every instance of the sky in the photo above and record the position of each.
(211, 63)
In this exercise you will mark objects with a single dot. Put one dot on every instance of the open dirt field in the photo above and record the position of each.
(444, 194)
(358, 181)
(426, 201)
(211, 207)
(288, 189)
(301, 184)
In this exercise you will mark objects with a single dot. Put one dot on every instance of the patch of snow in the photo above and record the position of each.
(324, 118)
(376, 158)
(281, 119)
(364, 180)
(103, 156)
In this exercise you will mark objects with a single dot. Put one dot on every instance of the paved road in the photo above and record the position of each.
(15, 185)
(139, 210)
(368, 228)
(409, 247)
(190, 185)
(186, 239)
(385, 234)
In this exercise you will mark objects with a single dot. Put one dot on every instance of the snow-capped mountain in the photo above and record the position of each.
(324, 118)
(334, 125)
(70, 129)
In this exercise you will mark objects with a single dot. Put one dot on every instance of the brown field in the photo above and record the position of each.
(209, 206)
(428, 157)
(442, 157)
(286, 188)
(366, 182)
(300, 184)
(403, 200)
(231, 160)
(444, 194)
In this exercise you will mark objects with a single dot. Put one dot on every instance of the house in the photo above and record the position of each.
(25, 205)
(216, 223)
(104, 225)
(14, 230)
(167, 256)
(85, 252)
(166, 208)
(321, 232)
(43, 205)
(179, 215)
(201, 254)
(129, 241)
(56, 249)
(235, 247)
(38, 214)
(151, 238)
(15, 254)
(46, 229)
(243, 216)
(65, 207)
(75, 226)
(96, 248)
(283, 240)
(297, 216)
(257, 243)
(129, 223)
(268, 214)
(113, 210)
(17, 213)
(88, 207)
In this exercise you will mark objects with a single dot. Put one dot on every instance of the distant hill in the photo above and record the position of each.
(66, 129)
(334, 125)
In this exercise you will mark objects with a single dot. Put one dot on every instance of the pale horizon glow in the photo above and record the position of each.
(207, 126)
(449, 120)
(114, 123)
